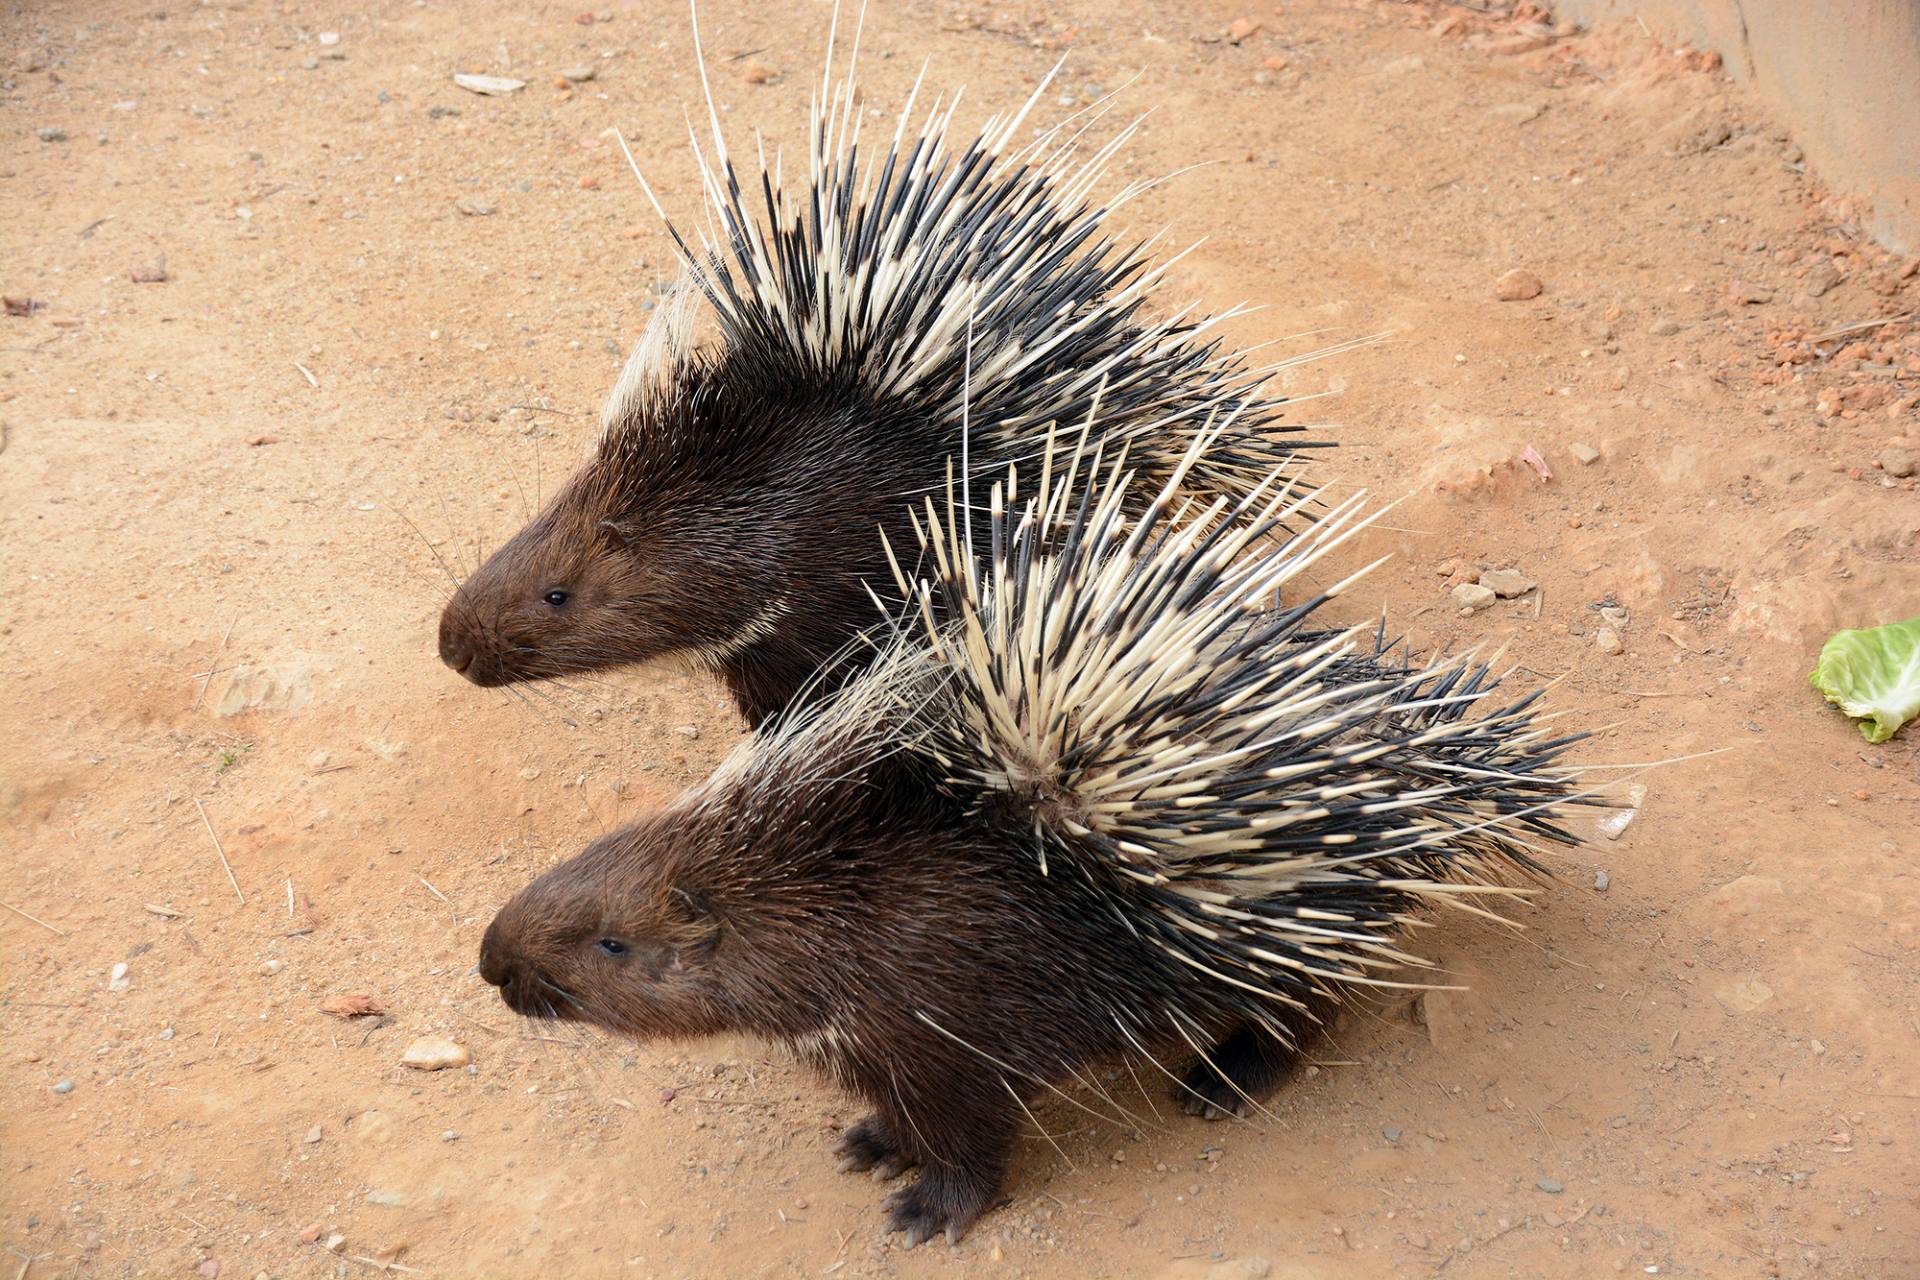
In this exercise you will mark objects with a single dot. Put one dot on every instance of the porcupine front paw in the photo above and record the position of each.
(868, 1146)
(1237, 1074)
(940, 1201)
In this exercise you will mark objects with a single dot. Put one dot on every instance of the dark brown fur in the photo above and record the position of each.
(918, 956)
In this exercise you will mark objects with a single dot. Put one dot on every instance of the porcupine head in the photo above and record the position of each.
(615, 937)
(682, 534)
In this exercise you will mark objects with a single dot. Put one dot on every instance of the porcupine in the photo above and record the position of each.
(931, 307)
(1110, 805)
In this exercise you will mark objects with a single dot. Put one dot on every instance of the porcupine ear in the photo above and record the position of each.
(1281, 795)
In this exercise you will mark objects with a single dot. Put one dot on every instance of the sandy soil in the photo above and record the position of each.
(390, 309)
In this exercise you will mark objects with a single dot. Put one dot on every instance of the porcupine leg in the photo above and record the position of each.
(964, 1143)
(1247, 1066)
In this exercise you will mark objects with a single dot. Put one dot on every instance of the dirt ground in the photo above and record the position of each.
(389, 309)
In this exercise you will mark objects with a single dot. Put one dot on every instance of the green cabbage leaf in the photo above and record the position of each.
(1873, 675)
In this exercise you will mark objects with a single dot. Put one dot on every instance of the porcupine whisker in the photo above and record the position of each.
(432, 550)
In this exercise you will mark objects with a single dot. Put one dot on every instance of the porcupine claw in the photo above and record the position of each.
(928, 1208)
(868, 1147)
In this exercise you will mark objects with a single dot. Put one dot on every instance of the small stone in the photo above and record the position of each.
(1817, 1046)
(63, 1087)
(1600, 881)
(1742, 293)
(435, 1053)
(117, 980)
(1517, 285)
(1585, 454)
(153, 271)
(309, 64)
(53, 133)
(385, 1199)
(1898, 463)
(29, 59)
(270, 967)
(1471, 596)
(580, 74)
(759, 73)
(1550, 1185)
(529, 773)
(313, 1136)
(318, 760)
(329, 38)
(492, 86)
(450, 1135)
(1822, 278)
(1404, 66)
(335, 1242)
(210, 1269)
(688, 731)
(310, 1234)
(1607, 640)
(1241, 30)
(474, 208)
(1665, 327)
(1390, 1133)
(1742, 994)
(1506, 583)
(1517, 112)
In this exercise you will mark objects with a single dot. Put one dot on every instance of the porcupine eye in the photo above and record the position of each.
(556, 598)
(613, 946)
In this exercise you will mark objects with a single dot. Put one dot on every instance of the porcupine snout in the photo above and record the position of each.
(465, 647)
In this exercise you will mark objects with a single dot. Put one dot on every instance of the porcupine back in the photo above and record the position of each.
(934, 301)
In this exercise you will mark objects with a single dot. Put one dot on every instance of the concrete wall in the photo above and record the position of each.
(1842, 75)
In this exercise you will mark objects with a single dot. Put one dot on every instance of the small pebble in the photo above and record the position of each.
(53, 133)
(309, 64)
(1664, 328)
(1743, 293)
(1822, 278)
(118, 980)
(1506, 583)
(1390, 1133)
(335, 1242)
(688, 731)
(1607, 640)
(313, 1135)
(210, 1269)
(450, 1135)
(580, 74)
(1517, 285)
(63, 1087)
(310, 1234)
(153, 271)
(29, 59)
(434, 1053)
(329, 38)
(385, 1199)
(1471, 596)
(1550, 1185)
(474, 208)
(1898, 463)
(1585, 454)
(1601, 881)
(271, 967)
